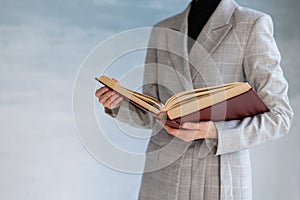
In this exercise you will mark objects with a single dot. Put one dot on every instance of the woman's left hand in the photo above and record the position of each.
(193, 131)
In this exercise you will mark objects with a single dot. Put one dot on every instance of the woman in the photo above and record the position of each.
(215, 164)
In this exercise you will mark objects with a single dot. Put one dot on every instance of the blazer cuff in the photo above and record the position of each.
(228, 140)
(112, 112)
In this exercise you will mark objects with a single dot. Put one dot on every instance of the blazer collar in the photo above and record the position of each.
(222, 14)
(219, 18)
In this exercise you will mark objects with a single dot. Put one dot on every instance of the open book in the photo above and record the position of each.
(223, 102)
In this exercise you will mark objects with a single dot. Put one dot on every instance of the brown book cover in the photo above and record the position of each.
(244, 105)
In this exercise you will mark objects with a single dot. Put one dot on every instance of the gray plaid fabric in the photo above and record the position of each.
(236, 44)
(199, 177)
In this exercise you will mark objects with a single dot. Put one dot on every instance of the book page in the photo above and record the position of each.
(193, 105)
(197, 93)
(147, 102)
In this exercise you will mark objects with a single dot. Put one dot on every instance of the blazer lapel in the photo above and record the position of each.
(217, 27)
(208, 40)
(177, 48)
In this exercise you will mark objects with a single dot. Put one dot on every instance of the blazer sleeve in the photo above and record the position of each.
(131, 114)
(262, 70)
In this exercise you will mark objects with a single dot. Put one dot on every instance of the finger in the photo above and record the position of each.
(191, 125)
(108, 100)
(211, 124)
(114, 96)
(104, 97)
(175, 131)
(206, 126)
(192, 135)
(107, 103)
(116, 102)
(101, 91)
(188, 135)
(113, 102)
(185, 133)
(182, 134)
(168, 128)
(197, 126)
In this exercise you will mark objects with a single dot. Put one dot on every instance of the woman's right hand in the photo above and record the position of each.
(109, 98)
